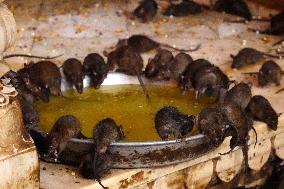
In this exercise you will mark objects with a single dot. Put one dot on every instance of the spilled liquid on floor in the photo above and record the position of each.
(126, 104)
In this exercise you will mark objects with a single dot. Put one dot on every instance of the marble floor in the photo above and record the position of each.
(75, 28)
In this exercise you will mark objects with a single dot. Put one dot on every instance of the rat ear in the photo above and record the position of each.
(232, 56)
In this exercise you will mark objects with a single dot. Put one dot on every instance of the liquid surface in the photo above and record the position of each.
(126, 104)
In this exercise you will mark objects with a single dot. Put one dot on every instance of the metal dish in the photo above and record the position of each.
(139, 154)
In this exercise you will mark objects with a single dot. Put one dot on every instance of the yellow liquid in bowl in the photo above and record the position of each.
(126, 104)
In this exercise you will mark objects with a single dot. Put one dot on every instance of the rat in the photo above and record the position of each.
(185, 8)
(209, 80)
(105, 133)
(97, 162)
(234, 7)
(211, 122)
(276, 25)
(142, 43)
(130, 63)
(169, 121)
(20, 86)
(38, 91)
(158, 68)
(73, 71)
(65, 128)
(95, 169)
(261, 110)
(146, 10)
(237, 118)
(24, 76)
(30, 114)
(94, 65)
(248, 56)
(47, 75)
(240, 94)
(270, 72)
(185, 79)
(180, 62)
(241, 124)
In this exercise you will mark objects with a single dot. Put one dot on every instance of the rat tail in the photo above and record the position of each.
(143, 87)
(31, 56)
(279, 91)
(250, 73)
(272, 55)
(255, 135)
(100, 183)
(181, 50)
(245, 20)
(268, 31)
(278, 42)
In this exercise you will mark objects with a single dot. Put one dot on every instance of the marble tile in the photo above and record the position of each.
(77, 19)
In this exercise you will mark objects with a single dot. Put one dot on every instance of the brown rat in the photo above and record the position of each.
(95, 169)
(261, 110)
(73, 71)
(146, 10)
(97, 162)
(25, 76)
(142, 43)
(234, 7)
(237, 118)
(105, 133)
(94, 65)
(128, 62)
(212, 123)
(276, 25)
(169, 121)
(248, 56)
(226, 119)
(181, 61)
(185, 79)
(158, 68)
(19, 85)
(241, 123)
(62, 131)
(185, 8)
(209, 80)
(47, 75)
(270, 72)
(240, 94)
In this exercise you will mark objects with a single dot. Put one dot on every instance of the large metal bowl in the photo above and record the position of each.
(139, 154)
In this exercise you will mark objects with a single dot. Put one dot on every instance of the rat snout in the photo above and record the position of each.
(79, 87)
(79, 84)
(55, 87)
(44, 96)
(55, 91)
(200, 92)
